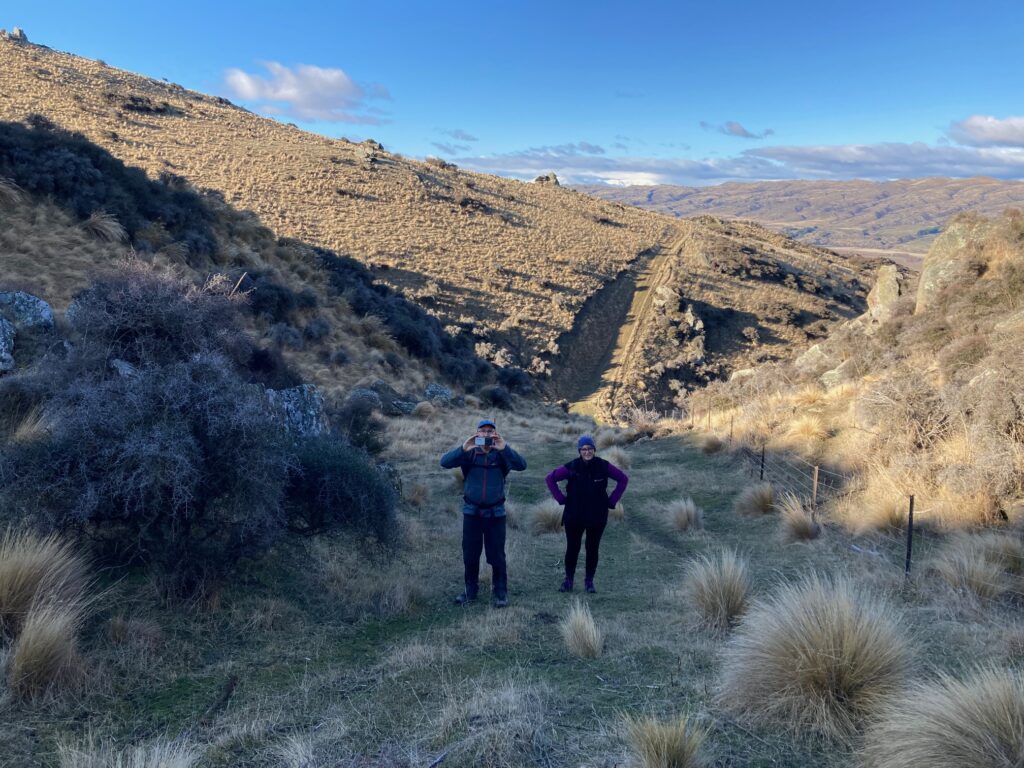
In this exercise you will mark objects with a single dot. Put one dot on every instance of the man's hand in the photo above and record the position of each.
(499, 442)
(470, 443)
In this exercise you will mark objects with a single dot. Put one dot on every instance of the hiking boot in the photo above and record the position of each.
(589, 585)
(566, 586)
(500, 600)
(468, 596)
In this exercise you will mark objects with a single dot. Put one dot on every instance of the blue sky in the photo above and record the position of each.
(645, 92)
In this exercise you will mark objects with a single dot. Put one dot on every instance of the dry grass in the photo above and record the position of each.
(986, 566)
(674, 744)
(144, 634)
(546, 517)
(36, 569)
(711, 444)
(424, 410)
(580, 633)
(756, 500)
(363, 587)
(494, 724)
(617, 456)
(819, 655)
(618, 513)
(798, 523)
(608, 437)
(10, 193)
(808, 428)
(158, 754)
(686, 515)
(44, 660)
(418, 494)
(105, 227)
(973, 723)
(719, 587)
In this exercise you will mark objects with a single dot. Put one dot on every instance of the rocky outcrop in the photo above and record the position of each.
(946, 258)
(815, 360)
(392, 402)
(842, 373)
(301, 409)
(438, 394)
(7, 334)
(548, 178)
(883, 296)
(361, 395)
(26, 311)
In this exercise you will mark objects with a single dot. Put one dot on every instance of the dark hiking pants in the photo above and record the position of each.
(573, 540)
(484, 534)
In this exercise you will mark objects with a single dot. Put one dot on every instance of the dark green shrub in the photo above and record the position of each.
(497, 396)
(334, 486)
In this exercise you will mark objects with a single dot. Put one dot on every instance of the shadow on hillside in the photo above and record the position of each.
(193, 227)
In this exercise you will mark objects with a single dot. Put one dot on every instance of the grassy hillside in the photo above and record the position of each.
(897, 218)
(512, 266)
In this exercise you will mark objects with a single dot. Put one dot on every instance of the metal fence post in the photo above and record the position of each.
(910, 536)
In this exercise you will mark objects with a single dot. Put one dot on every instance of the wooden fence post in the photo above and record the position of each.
(762, 461)
(814, 490)
(910, 536)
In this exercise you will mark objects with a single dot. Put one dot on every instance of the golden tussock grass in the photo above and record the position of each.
(45, 660)
(977, 722)
(673, 744)
(686, 515)
(606, 438)
(807, 428)
(808, 396)
(758, 499)
(819, 655)
(580, 632)
(798, 523)
(162, 753)
(618, 513)
(617, 456)
(105, 227)
(719, 587)
(546, 517)
(35, 569)
(424, 410)
(983, 565)
(10, 193)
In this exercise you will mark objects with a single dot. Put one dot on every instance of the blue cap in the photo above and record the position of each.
(486, 423)
(585, 440)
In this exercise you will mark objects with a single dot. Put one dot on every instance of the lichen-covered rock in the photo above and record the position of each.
(842, 373)
(815, 360)
(885, 293)
(392, 403)
(26, 311)
(301, 408)
(365, 395)
(946, 259)
(7, 334)
(437, 393)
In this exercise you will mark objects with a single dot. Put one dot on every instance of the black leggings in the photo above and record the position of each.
(573, 540)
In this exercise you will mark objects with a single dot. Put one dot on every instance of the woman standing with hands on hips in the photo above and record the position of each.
(586, 503)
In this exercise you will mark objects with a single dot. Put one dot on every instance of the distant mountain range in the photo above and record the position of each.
(894, 218)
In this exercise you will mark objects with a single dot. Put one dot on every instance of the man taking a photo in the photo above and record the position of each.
(485, 459)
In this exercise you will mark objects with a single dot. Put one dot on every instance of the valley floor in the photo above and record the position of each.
(322, 657)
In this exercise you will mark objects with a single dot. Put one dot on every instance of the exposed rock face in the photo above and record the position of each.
(815, 360)
(886, 292)
(302, 409)
(26, 311)
(7, 334)
(392, 403)
(363, 394)
(547, 178)
(845, 371)
(945, 260)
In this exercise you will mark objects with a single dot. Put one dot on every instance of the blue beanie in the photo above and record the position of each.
(585, 440)
(486, 423)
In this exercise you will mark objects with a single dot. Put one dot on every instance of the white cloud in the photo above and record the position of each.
(460, 135)
(988, 131)
(732, 128)
(841, 161)
(306, 92)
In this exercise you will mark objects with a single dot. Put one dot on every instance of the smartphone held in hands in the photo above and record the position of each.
(484, 441)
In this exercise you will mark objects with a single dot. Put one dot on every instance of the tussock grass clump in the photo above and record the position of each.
(10, 193)
(950, 723)
(798, 523)
(159, 754)
(618, 457)
(719, 587)
(819, 655)
(546, 517)
(986, 565)
(756, 500)
(105, 227)
(675, 744)
(711, 444)
(45, 658)
(580, 633)
(686, 515)
(458, 479)
(618, 514)
(35, 568)
(809, 428)
(417, 494)
(424, 410)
